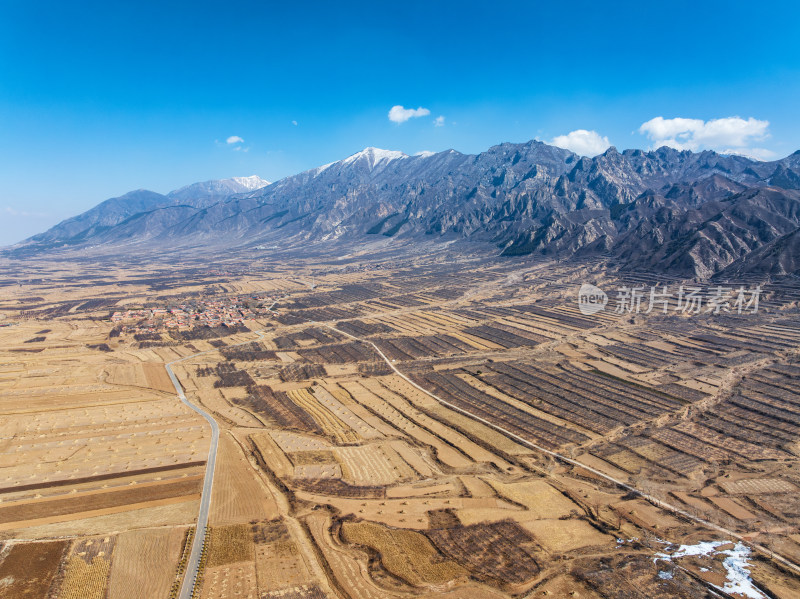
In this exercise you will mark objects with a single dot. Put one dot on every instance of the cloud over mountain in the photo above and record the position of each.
(732, 135)
(399, 114)
(583, 142)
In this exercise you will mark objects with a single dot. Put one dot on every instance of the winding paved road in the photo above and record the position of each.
(192, 566)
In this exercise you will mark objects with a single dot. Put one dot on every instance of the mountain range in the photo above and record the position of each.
(694, 214)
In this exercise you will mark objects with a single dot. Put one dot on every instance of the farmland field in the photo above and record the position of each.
(154, 551)
(392, 432)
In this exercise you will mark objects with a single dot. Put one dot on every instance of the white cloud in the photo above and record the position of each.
(730, 135)
(294, 123)
(234, 139)
(660, 128)
(438, 121)
(583, 142)
(762, 154)
(398, 114)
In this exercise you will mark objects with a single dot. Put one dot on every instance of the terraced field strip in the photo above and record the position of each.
(344, 413)
(448, 455)
(378, 425)
(392, 392)
(272, 454)
(329, 422)
(655, 501)
(489, 390)
(373, 465)
(350, 577)
(406, 554)
(97, 512)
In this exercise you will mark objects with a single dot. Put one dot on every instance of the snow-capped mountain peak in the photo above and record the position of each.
(374, 157)
(218, 187)
(250, 183)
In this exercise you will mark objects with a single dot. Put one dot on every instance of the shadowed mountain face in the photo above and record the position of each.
(115, 216)
(694, 214)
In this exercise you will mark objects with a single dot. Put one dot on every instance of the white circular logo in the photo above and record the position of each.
(591, 299)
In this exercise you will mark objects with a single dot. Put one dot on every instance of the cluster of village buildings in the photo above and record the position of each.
(228, 312)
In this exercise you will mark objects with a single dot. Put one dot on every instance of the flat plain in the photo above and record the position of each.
(435, 427)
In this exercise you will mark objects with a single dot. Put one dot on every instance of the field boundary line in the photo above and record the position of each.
(193, 565)
(655, 501)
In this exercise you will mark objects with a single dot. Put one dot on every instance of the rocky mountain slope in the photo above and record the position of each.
(94, 224)
(694, 214)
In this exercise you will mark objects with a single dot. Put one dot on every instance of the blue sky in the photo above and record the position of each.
(98, 98)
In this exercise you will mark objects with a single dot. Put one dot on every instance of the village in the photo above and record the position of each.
(227, 312)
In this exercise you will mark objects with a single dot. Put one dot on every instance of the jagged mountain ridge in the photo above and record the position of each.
(676, 210)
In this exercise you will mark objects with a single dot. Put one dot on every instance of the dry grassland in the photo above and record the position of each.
(152, 551)
(238, 496)
(347, 572)
(279, 562)
(558, 536)
(406, 554)
(52, 508)
(85, 580)
(230, 544)
(28, 569)
(231, 581)
(274, 457)
(170, 512)
(540, 499)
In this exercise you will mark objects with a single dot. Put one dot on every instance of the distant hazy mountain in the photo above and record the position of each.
(96, 222)
(219, 188)
(696, 214)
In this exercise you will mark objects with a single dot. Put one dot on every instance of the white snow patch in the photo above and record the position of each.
(736, 564)
(250, 183)
(375, 157)
(319, 169)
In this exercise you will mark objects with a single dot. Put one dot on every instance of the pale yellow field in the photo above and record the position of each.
(155, 551)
